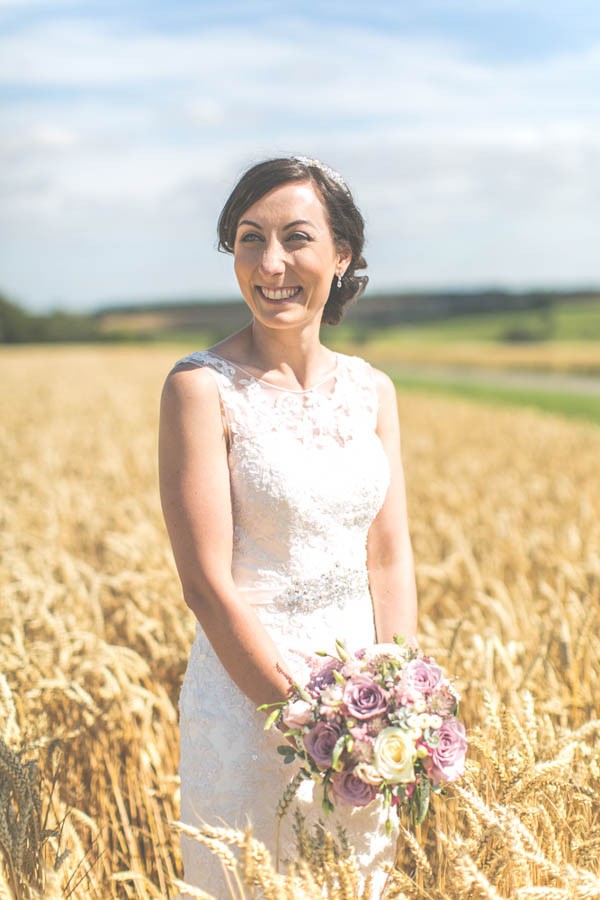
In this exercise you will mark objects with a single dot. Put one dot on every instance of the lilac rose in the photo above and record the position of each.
(364, 698)
(422, 675)
(323, 677)
(320, 741)
(351, 791)
(447, 760)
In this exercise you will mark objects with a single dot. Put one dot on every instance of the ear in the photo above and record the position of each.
(344, 257)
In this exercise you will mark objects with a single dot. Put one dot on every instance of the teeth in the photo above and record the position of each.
(279, 293)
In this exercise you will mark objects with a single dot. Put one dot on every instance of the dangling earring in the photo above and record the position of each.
(339, 281)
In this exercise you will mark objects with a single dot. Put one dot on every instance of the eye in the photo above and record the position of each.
(298, 236)
(250, 237)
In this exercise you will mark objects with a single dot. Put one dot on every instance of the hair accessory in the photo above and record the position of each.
(327, 170)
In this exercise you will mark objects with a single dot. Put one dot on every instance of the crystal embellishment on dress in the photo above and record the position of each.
(333, 588)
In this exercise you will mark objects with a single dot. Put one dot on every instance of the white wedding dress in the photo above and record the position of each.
(308, 475)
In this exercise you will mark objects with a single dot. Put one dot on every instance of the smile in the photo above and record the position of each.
(279, 293)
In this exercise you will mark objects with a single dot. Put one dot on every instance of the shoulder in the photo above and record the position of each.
(191, 410)
(382, 383)
(385, 387)
(191, 382)
(387, 400)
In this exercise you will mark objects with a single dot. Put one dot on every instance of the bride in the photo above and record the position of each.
(283, 494)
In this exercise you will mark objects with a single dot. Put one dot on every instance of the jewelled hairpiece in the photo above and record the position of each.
(327, 170)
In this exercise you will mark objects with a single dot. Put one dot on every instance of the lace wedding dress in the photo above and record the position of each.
(308, 475)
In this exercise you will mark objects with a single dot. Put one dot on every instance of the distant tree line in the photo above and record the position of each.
(18, 326)
(219, 318)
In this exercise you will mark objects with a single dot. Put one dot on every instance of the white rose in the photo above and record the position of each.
(395, 755)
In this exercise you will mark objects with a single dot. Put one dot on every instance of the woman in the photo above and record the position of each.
(283, 493)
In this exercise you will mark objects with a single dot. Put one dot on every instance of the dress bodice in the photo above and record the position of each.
(308, 471)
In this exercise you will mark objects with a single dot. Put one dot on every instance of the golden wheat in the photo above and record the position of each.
(94, 638)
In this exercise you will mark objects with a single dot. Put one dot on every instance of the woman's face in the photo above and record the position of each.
(285, 257)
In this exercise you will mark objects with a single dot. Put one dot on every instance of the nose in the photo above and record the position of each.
(272, 261)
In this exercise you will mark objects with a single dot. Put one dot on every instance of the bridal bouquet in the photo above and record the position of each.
(377, 722)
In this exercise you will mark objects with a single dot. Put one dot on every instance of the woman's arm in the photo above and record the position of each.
(196, 501)
(389, 551)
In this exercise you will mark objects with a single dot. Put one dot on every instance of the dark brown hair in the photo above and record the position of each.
(345, 219)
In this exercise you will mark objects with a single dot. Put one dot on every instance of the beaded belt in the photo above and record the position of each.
(333, 588)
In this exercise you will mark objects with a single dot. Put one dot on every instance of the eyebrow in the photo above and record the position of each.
(285, 227)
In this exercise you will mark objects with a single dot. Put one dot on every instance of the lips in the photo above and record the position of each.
(278, 294)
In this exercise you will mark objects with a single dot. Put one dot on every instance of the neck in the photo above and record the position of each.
(297, 356)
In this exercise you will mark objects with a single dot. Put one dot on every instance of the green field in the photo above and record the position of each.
(563, 339)
(576, 406)
(577, 321)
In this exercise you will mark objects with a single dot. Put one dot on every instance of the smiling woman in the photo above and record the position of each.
(283, 494)
(342, 218)
(285, 258)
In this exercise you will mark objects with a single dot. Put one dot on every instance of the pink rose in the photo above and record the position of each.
(407, 695)
(320, 741)
(297, 714)
(422, 675)
(447, 760)
(364, 698)
(350, 790)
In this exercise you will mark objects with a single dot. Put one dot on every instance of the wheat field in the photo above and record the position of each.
(504, 508)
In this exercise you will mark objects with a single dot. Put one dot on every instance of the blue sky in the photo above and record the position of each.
(468, 131)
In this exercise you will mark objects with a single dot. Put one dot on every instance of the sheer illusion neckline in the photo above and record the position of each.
(263, 381)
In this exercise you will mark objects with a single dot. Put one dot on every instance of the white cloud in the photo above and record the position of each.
(466, 171)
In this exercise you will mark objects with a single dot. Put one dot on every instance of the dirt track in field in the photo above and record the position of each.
(538, 381)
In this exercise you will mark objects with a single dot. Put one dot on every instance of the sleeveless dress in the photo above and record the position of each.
(308, 475)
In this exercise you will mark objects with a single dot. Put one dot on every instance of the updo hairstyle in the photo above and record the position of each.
(345, 219)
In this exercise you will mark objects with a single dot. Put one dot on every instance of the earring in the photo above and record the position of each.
(339, 281)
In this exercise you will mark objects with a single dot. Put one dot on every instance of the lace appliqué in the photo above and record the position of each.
(314, 417)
